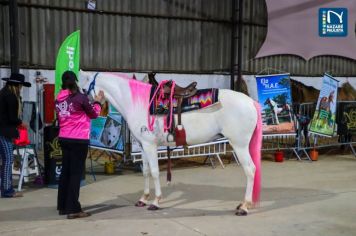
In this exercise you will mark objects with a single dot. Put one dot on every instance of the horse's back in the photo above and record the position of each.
(238, 115)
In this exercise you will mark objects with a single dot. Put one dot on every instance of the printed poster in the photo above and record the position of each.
(108, 132)
(323, 122)
(275, 99)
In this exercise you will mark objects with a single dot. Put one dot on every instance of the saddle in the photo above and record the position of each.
(179, 93)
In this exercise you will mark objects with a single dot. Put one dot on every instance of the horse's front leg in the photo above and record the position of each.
(276, 116)
(146, 174)
(151, 154)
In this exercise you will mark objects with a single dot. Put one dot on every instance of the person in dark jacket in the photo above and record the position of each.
(10, 113)
(74, 112)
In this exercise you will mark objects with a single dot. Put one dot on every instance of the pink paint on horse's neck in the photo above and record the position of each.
(140, 93)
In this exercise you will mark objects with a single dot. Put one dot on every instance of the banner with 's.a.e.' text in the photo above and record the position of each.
(275, 99)
(323, 121)
(67, 58)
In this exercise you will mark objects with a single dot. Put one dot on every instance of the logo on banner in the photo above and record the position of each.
(332, 22)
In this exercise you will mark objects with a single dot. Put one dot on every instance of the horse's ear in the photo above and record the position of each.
(83, 73)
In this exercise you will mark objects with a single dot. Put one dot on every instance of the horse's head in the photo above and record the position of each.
(267, 102)
(324, 99)
(87, 83)
(331, 97)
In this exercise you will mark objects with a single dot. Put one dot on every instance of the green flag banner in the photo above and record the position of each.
(67, 58)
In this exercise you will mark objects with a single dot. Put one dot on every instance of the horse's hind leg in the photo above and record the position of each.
(249, 168)
(146, 174)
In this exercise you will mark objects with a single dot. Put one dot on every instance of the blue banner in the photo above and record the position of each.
(323, 121)
(275, 99)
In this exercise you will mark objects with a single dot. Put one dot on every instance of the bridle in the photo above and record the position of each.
(92, 85)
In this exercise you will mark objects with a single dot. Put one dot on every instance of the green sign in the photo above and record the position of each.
(67, 58)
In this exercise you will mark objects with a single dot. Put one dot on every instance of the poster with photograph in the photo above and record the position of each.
(108, 132)
(323, 121)
(275, 99)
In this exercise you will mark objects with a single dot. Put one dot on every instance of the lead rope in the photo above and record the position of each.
(151, 119)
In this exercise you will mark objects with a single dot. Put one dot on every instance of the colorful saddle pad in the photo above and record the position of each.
(203, 98)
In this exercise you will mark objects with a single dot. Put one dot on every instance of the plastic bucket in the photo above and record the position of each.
(109, 168)
(279, 156)
(314, 154)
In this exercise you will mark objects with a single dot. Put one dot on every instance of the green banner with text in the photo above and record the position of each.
(67, 58)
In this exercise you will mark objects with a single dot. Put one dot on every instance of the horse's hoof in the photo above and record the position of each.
(241, 212)
(140, 204)
(153, 208)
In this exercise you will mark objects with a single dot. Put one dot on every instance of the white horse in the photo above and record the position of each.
(236, 116)
(277, 110)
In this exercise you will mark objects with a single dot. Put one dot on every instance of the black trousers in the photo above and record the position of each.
(73, 166)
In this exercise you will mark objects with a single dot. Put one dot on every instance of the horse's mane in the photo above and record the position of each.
(303, 93)
(346, 92)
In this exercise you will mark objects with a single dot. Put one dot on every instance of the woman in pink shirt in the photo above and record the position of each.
(74, 112)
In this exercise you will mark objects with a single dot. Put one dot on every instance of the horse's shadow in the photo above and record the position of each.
(182, 200)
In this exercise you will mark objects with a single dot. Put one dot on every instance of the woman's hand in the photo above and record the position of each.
(100, 97)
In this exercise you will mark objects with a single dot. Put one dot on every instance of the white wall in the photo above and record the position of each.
(204, 81)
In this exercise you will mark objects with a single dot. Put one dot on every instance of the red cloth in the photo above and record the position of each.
(23, 139)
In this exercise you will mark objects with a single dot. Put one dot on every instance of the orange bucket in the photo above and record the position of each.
(279, 156)
(313, 154)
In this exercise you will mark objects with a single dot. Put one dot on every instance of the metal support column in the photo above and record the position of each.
(236, 43)
(14, 36)
(239, 47)
(233, 44)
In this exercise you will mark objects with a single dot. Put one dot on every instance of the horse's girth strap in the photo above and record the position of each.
(179, 106)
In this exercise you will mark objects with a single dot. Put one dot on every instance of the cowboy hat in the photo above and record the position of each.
(17, 78)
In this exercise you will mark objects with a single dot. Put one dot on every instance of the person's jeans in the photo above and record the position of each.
(7, 158)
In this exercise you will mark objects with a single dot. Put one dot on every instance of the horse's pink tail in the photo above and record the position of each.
(255, 152)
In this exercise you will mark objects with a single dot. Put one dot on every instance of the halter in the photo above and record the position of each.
(92, 85)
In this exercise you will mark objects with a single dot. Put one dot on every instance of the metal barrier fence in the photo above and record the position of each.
(215, 148)
(306, 141)
(299, 143)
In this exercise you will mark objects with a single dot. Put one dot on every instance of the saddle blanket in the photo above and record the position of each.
(203, 98)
